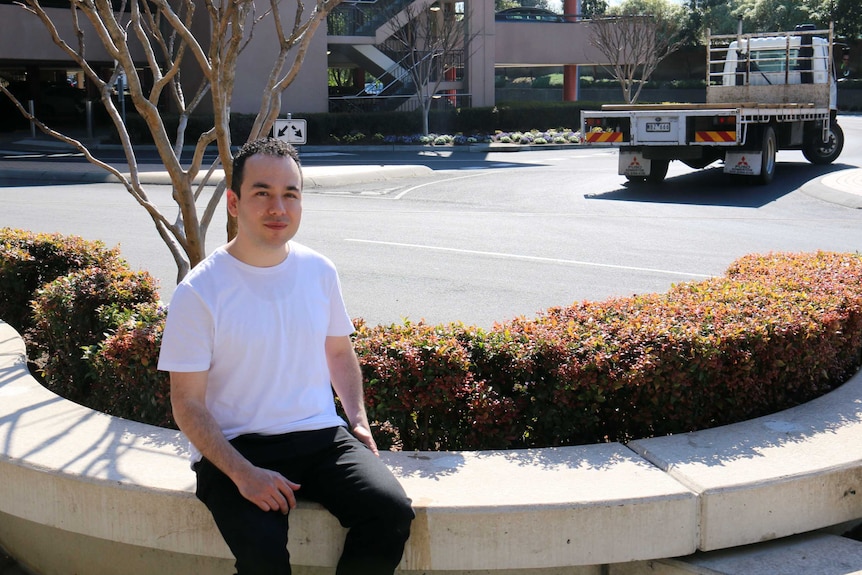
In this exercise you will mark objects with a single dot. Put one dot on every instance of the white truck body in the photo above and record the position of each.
(765, 92)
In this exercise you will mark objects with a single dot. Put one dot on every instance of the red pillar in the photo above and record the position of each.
(572, 10)
(450, 77)
(359, 78)
(570, 83)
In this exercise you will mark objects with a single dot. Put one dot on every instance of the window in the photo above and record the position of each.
(774, 60)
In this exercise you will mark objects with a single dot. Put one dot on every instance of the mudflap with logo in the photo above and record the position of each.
(745, 163)
(634, 165)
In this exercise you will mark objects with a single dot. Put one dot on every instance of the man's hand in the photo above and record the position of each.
(346, 379)
(267, 489)
(363, 434)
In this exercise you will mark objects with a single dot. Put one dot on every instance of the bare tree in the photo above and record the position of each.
(633, 46)
(162, 32)
(434, 43)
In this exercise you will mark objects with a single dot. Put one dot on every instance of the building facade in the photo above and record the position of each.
(356, 41)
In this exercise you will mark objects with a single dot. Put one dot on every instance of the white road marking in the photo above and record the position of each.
(436, 183)
(529, 258)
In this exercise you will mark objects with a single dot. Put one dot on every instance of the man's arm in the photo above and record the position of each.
(346, 377)
(265, 488)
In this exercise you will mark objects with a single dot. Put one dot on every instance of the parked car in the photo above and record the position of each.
(525, 14)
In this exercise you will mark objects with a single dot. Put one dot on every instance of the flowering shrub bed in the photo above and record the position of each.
(531, 137)
(536, 137)
(775, 331)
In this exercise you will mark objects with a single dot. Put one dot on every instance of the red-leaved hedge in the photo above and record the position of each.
(69, 319)
(127, 381)
(777, 330)
(30, 260)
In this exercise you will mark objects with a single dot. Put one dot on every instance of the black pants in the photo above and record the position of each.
(334, 469)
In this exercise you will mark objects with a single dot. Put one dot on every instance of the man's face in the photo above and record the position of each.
(269, 208)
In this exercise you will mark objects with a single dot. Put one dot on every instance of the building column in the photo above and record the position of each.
(480, 54)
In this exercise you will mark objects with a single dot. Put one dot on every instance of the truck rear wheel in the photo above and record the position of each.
(769, 147)
(823, 153)
(658, 171)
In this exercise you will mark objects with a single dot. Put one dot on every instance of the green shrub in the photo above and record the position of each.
(127, 383)
(335, 127)
(29, 260)
(420, 386)
(548, 81)
(67, 322)
(526, 116)
(529, 364)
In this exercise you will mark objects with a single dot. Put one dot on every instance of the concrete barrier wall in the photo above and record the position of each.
(82, 492)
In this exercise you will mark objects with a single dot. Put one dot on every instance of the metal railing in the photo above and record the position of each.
(362, 18)
(402, 103)
(767, 58)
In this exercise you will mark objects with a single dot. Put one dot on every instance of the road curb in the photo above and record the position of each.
(835, 188)
(314, 177)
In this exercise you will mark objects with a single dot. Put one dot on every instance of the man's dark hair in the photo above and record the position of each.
(265, 146)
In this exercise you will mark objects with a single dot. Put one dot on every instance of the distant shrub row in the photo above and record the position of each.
(334, 128)
(775, 331)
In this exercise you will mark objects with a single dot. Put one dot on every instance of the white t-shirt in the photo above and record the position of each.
(260, 333)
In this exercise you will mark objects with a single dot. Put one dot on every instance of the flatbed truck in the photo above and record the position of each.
(765, 93)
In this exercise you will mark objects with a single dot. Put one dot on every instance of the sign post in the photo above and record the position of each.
(290, 130)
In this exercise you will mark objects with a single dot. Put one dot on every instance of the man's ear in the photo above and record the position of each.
(232, 201)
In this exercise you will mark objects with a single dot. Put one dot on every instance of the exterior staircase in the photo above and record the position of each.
(359, 35)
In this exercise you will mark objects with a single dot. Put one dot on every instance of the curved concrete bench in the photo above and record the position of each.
(83, 492)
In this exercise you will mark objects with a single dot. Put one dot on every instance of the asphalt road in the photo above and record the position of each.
(488, 237)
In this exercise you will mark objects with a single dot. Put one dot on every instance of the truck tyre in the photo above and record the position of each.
(823, 153)
(769, 147)
(658, 171)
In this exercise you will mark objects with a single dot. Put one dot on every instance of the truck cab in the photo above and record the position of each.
(780, 60)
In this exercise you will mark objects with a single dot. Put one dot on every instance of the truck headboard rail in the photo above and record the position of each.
(745, 67)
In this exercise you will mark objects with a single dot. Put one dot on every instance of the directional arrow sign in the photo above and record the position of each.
(291, 131)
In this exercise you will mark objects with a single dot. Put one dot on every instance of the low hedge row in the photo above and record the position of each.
(333, 128)
(775, 331)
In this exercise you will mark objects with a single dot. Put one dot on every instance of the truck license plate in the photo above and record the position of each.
(658, 127)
